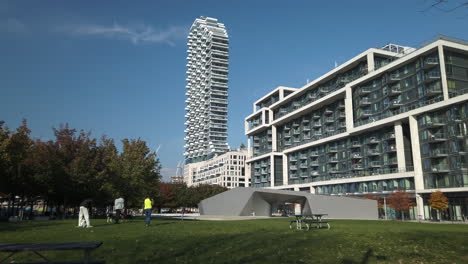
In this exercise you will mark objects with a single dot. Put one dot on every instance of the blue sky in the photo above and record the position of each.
(118, 67)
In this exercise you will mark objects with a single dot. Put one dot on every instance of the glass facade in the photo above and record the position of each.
(262, 142)
(367, 154)
(322, 89)
(367, 187)
(456, 66)
(413, 85)
(261, 174)
(269, 101)
(321, 123)
(443, 140)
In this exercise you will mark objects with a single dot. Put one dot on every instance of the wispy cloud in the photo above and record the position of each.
(13, 25)
(138, 34)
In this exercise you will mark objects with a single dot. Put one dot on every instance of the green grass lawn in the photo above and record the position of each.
(250, 241)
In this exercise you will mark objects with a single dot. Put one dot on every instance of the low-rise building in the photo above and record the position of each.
(226, 170)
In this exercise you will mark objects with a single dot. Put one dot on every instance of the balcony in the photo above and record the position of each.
(332, 160)
(356, 144)
(303, 156)
(394, 90)
(312, 96)
(439, 169)
(373, 140)
(323, 90)
(342, 115)
(435, 122)
(433, 90)
(395, 77)
(332, 149)
(392, 161)
(364, 90)
(431, 76)
(357, 167)
(364, 102)
(317, 124)
(391, 148)
(366, 113)
(328, 111)
(436, 153)
(292, 158)
(293, 167)
(395, 104)
(389, 136)
(430, 62)
(314, 164)
(436, 137)
(341, 105)
(303, 165)
(329, 120)
(356, 155)
(316, 116)
(314, 173)
(373, 152)
(314, 154)
(375, 164)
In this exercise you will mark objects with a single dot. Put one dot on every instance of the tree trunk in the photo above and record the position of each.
(9, 209)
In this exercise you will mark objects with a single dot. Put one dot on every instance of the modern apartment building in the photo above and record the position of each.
(389, 119)
(207, 90)
(226, 170)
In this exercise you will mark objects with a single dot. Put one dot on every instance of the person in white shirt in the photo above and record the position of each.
(118, 206)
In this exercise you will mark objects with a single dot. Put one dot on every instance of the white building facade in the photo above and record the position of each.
(207, 90)
(228, 170)
(389, 119)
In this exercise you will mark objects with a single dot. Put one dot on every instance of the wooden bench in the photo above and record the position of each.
(86, 247)
(318, 223)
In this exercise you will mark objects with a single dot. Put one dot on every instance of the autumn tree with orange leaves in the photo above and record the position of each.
(401, 201)
(438, 202)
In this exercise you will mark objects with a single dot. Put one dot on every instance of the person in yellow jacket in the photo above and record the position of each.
(147, 209)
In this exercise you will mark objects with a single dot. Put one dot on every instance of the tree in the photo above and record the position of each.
(438, 202)
(139, 172)
(400, 201)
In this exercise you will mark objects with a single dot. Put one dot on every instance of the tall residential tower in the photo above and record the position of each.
(207, 90)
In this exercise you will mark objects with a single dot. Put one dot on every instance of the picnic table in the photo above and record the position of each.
(86, 247)
(309, 220)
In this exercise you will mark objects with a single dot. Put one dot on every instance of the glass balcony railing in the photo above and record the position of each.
(373, 152)
(436, 137)
(436, 153)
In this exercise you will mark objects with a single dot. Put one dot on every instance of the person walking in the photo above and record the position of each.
(109, 213)
(118, 206)
(83, 217)
(148, 210)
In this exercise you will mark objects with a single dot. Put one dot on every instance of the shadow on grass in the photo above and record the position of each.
(29, 225)
(369, 257)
